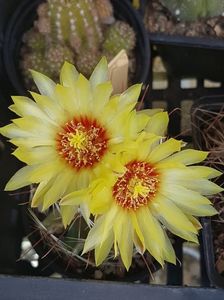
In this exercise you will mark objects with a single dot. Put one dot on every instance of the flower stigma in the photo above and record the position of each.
(77, 139)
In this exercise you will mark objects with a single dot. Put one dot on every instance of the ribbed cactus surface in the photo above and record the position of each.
(78, 31)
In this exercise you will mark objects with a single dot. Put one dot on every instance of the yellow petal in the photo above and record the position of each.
(84, 94)
(94, 237)
(68, 213)
(36, 126)
(130, 96)
(100, 73)
(101, 95)
(167, 211)
(179, 231)
(42, 188)
(45, 84)
(35, 155)
(51, 108)
(138, 231)
(144, 148)
(194, 221)
(43, 172)
(68, 99)
(140, 248)
(20, 179)
(158, 123)
(68, 74)
(101, 199)
(12, 131)
(57, 189)
(76, 197)
(84, 210)
(202, 186)
(185, 173)
(189, 201)
(101, 229)
(168, 251)
(150, 229)
(25, 106)
(164, 150)
(30, 142)
(123, 235)
(102, 250)
(188, 156)
(150, 111)
(206, 172)
(136, 123)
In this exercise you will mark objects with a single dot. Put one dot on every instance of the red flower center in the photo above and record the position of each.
(82, 143)
(137, 186)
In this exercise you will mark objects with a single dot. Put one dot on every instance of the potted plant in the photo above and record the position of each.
(193, 30)
(94, 157)
(207, 126)
(96, 37)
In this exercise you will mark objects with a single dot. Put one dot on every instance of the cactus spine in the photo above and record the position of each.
(76, 23)
(74, 30)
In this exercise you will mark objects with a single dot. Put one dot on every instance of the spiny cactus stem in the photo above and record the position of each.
(93, 11)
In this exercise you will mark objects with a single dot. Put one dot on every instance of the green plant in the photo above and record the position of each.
(115, 41)
(76, 23)
(192, 10)
(79, 31)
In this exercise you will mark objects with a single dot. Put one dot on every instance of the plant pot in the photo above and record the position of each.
(191, 57)
(213, 104)
(23, 19)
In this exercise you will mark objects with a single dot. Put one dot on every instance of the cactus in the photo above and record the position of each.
(75, 20)
(43, 9)
(34, 39)
(56, 55)
(74, 29)
(119, 36)
(86, 61)
(105, 11)
(43, 25)
(36, 61)
(192, 10)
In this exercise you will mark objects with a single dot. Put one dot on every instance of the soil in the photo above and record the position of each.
(159, 19)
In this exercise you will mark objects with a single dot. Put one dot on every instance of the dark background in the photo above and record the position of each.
(11, 228)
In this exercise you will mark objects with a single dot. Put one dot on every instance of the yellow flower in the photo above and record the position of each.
(158, 188)
(70, 130)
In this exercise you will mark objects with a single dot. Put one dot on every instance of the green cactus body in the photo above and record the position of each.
(192, 10)
(85, 62)
(34, 39)
(119, 36)
(56, 55)
(75, 22)
(35, 61)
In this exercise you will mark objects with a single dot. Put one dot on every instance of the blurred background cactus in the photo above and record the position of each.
(78, 31)
(193, 18)
(192, 10)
